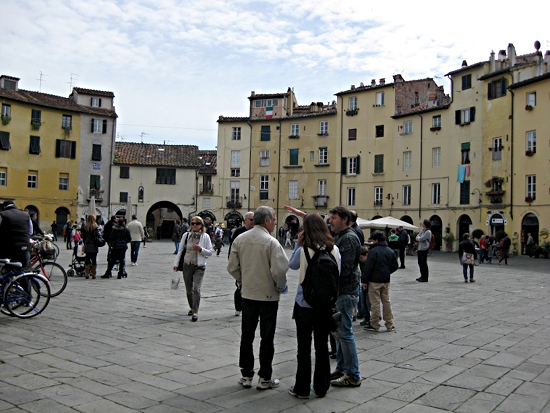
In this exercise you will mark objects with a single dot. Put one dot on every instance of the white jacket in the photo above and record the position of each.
(205, 243)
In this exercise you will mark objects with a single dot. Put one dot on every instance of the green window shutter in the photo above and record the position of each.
(358, 163)
(294, 156)
(57, 148)
(457, 117)
(490, 91)
(265, 133)
(73, 150)
(504, 85)
(465, 146)
(378, 164)
(92, 129)
(104, 130)
(472, 114)
(344, 165)
(34, 148)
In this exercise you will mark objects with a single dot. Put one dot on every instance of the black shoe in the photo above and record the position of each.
(364, 323)
(106, 276)
(465, 280)
(402, 267)
(472, 280)
(194, 318)
(190, 312)
(422, 280)
(118, 277)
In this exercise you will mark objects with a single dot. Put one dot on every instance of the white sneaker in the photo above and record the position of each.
(237, 313)
(136, 263)
(246, 382)
(133, 264)
(267, 384)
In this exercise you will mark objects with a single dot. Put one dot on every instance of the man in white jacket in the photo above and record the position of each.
(137, 234)
(259, 262)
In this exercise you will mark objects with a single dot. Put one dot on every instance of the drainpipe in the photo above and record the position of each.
(341, 149)
(512, 156)
(249, 165)
(420, 176)
(279, 169)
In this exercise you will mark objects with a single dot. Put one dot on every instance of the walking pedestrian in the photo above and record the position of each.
(467, 254)
(259, 263)
(137, 235)
(54, 230)
(504, 246)
(198, 246)
(403, 243)
(120, 237)
(89, 234)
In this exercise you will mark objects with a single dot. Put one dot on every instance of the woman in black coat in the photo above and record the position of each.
(465, 249)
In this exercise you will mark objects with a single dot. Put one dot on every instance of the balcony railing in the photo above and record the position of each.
(378, 203)
(321, 201)
(234, 202)
(96, 193)
(206, 189)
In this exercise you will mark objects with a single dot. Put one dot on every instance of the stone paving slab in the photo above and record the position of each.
(128, 345)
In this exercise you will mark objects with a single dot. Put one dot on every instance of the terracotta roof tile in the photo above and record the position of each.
(208, 162)
(146, 154)
(94, 92)
(52, 101)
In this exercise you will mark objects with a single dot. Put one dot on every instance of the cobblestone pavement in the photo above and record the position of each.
(128, 345)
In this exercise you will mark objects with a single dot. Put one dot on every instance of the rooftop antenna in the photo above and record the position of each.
(40, 81)
(166, 141)
(143, 133)
(71, 82)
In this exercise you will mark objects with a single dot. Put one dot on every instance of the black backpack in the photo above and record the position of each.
(320, 285)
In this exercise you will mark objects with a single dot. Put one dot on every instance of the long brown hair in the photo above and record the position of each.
(90, 223)
(316, 233)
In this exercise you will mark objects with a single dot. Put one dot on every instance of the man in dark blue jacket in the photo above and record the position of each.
(381, 263)
(15, 232)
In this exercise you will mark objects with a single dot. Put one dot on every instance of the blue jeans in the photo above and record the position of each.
(346, 351)
(266, 313)
(423, 264)
(465, 271)
(134, 250)
(177, 244)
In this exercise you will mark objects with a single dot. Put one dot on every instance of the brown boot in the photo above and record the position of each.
(87, 271)
(94, 268)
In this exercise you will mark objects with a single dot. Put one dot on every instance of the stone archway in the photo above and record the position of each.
(62, 215)
(160, 218)
(437, 230)
(529, 225)
(464, 226)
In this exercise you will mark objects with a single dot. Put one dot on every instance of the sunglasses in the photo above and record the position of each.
(196, 223)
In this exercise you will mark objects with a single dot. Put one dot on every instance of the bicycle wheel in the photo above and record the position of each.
(27, 295)
(55, 274)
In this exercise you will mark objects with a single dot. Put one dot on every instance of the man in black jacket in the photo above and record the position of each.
(381, 263)
(403, 242)
(107, 229)
(15, 232)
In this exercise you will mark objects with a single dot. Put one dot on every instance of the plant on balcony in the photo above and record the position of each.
(35, 125)
(528, 107)
(529, 199)
(435, 128)
(351, 112)
(6, 119)
(67, 130)
(489, 183)
(495, 199)
(529, 153)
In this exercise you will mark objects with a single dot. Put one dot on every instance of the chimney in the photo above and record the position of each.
(397, 78)
(511, 55)
(464, 63)
(9, 82)
(383, 81)
(313, 108)
(352, 87)
(373, 82)
(252, 93)
(492, 66)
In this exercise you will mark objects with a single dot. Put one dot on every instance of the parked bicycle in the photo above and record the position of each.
(22, 294)
(42, 263)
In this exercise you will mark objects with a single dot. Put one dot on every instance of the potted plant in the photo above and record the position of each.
(35, 125)
(448, 238)
(529, 153)
(150, 234)
(489, 183)
(6, 119)
(529, 199)
(528, 107)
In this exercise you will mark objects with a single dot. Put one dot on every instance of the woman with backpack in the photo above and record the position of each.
(89, 234)
(504, 246)
(467, 255)
(314, 237)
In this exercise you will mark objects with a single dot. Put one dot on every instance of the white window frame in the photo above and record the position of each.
(264, 187)
(352, 103)
(293, 189)
(436, 193)
(264, 158)
(352, 165)
(6, 109)
(234, 191)
(323, 156)
(63, 183)
(379, 98)
(3, 178)
(236, 133)
(407, 160)
(406, 194)
(436, 121)
(350, 198)
(32, 179)
(235, 159)
(531, 141)
(436, 157)
(235, 172)
(95, 102)
(97, 125)
(322, 187)
(407, 127)
(294, 129)
(465, 115)
(531, 186)
(323, 127)
(532, 99)
(378, 195)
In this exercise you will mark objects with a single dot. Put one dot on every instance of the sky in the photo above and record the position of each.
(175, 66)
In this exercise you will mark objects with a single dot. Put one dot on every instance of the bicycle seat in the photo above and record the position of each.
(13, 265)
(4, 260)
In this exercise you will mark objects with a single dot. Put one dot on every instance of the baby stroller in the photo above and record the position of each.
(77, 265)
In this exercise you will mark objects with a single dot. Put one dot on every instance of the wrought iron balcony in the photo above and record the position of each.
(206, 189)
(321, 201)
(96, 193)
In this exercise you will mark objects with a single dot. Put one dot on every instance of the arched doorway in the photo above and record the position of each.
(32, 208)
(160, 218)
(61, 217)
(233, 219)
(408, 219)
(464, 226)
(529, 225)
(437, 230)
(496, 222)
(292, 223)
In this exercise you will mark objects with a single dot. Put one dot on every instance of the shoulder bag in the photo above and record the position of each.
(182, 256)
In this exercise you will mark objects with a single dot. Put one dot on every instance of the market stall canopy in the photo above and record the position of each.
(386, 222)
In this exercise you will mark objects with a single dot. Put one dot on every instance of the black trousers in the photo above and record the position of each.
(310, 322)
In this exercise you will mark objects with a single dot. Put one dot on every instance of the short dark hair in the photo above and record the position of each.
(353, 216)
(134, 216)
(378, 236)
(342, 212)
(466, 236)
(427, 223)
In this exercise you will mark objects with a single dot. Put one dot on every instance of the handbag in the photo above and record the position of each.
(467, 259)
(237, 298)
(175, 283)
(98, 240)
(182, 256)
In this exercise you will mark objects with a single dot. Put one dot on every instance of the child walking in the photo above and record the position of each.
(218, 244)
